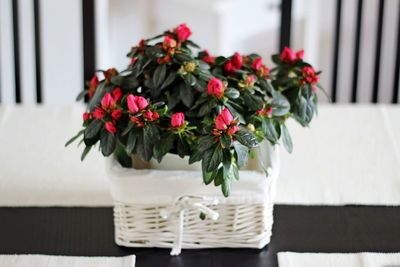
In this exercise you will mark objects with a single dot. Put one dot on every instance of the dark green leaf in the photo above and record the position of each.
(85, 152)
(187, 95)
(82, 95)
(170, 78)
(159, 76)
(218, 177)
(128, 128)
(131, 142)
(215, 160)
(98, 94)
(205, 142)
(197, 155)
(246, 138)
(226, 187)
(232, 93)
(107, 143)
(280, 105)
(144, 147)
(286, 139)
(162, 147)
(189, 79)
(242, 153)
(93, 129)
(270, 131)
(226, 141)
(74, 138)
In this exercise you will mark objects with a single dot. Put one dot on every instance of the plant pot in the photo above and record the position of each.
(159, 205)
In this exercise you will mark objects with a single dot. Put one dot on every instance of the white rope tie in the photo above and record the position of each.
(179, 208)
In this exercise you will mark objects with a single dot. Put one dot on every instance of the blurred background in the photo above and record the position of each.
(48, 47)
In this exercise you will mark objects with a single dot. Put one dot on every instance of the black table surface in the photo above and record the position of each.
(90, 232)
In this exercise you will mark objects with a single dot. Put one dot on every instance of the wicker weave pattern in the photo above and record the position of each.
(237, 226)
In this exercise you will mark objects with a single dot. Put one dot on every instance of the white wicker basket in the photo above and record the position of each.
(160, 208)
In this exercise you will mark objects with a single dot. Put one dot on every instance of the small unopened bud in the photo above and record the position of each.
(190, 66)
(250, 127)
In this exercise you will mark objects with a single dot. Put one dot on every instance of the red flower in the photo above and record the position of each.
(138, 121)
(117, 94)
(183, 32)
(110, 127)
(94, 82)
(136, 103)
(133, 60)
(257, 63)
(107, 101)
(237, 60)
(216, 88)
(223, 120)
(208, 58)
(234, 64)
(169, 42)
(310, 77)
(86, 116)
(177, 120)
(110, 73)
(99, 113)
(265, 112)
(289, 56)
(116, 114)
(151, 116)
(233, 129)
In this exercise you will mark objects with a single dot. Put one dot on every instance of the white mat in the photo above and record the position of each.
(65, 261)
(349, 155)
(365, 259)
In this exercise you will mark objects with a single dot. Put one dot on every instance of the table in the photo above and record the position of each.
(89, 232)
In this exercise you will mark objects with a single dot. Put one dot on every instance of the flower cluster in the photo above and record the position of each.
(212, 109)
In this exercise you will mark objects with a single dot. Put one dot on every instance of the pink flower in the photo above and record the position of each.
(168, 42)
(288, 55)
(99, 113)
(138, 121)
(132, 106)
(237, 60)
(94, 82)
(142, 102)
(208, 58)
(264, 112)
(223, 120)
(136, 103)
(117, 94)
(216, 88)
(300, 54)
(234, 64)
(116, 114)
(177, 120)
(110, 127)
(151, 116)
(233, 129)
(257, 63)
(183, 32)
(107, 101)
(86, 116)
(133, 60)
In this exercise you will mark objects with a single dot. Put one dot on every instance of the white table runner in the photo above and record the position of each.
(65, 261)
(365, 259)
(349, 155)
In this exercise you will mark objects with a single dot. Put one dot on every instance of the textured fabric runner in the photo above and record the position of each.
(65, 261)
(365, 259)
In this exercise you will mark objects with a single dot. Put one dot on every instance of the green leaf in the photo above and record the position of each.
(98, 94)
(205, 142)
(74, 138)
(215, 160)
(144, 147)
(280, 105)
(191, 43)
(82, 95)
(226, 141)
(85, 152)
(128, 128)
(270, 131)
(306, 110)
(202, 216)
(286, 139)
(107, 143)
(226, 187)
(151, 130)
(131, 142)
(182, 147)
(189, 79)
(122, 157)
(252, 102)
(232, 93)
(218, 177)
(197, 155)
(162, 147)
(159, 76)
(93, 129)
(182, 58)
(186, 94)
(170, 79)
(246, 138)
(208, 177)
(242, 153)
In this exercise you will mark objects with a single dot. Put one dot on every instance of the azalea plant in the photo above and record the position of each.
(212, 109)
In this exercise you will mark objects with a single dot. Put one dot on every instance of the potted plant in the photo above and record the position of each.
(213, 111)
